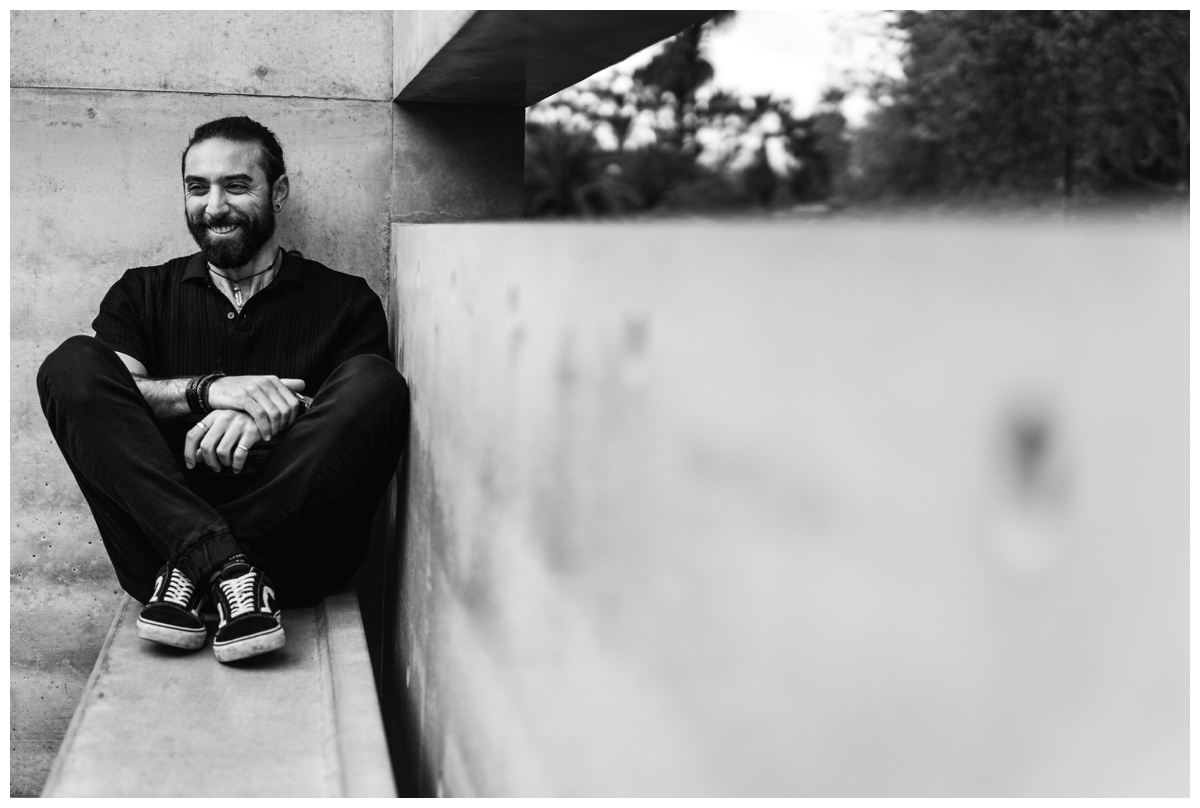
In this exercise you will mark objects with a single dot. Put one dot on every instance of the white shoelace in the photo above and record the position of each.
(179, 589)
(240, 592)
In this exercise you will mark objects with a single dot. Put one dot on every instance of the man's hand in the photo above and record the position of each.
(222, 439)
(269, 400)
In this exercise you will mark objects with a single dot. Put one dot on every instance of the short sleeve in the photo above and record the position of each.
(365, 330)
(121, 322)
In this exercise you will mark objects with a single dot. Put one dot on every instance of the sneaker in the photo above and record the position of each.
(172, 616)
(248, 618)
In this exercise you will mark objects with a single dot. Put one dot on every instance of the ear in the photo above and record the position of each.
(279, 193)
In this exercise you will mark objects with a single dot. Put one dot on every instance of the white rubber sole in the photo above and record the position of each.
(246, 647)
(189, 639)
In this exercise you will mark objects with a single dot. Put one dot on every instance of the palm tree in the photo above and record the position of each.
(565, 175)
(681, 69)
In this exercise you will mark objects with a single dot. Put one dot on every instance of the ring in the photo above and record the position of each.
(243, 448)
(202, 424)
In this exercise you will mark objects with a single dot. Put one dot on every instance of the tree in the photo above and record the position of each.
(699, 151)
(564, 176)
(681, 68)
(1031, 101)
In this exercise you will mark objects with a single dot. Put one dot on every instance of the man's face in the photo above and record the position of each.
(227, 201)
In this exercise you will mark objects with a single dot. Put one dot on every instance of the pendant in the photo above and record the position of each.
(237, 296)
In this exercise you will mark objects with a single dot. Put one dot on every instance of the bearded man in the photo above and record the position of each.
(237, 416)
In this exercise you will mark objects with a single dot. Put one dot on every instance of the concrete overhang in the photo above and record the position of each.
(517, 58)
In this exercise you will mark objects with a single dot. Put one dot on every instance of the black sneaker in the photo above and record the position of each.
(172, 616)
(248, 616)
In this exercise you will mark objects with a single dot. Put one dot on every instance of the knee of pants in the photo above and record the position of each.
(69, 371)
(372, 378)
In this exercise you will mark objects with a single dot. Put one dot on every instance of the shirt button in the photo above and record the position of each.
(230, 315)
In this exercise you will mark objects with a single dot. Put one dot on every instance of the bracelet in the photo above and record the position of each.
(202, 391)
(193, 395)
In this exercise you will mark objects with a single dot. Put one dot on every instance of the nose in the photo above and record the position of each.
(217, 203)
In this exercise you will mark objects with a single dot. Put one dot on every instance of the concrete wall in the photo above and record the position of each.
(780, 509)
(101, 107)
(688, 509)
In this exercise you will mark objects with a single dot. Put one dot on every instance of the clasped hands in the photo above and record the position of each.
(246, 409)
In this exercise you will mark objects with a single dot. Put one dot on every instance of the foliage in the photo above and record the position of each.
(671, 146)
(1023, 105)
(1065, 102)
(564, 176)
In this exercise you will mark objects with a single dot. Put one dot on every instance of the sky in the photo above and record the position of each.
(795, 54)
(791, 53)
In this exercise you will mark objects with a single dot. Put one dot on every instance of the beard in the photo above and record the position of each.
(236, 249)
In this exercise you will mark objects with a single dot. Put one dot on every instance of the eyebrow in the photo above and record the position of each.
(228, 178)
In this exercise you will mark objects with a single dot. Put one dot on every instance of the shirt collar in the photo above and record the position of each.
(288, 269)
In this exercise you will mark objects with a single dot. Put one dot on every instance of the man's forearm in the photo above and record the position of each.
(273, 412)
(166, 397)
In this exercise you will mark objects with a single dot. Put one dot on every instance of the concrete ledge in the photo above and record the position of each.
(303, 721)
(517, 58)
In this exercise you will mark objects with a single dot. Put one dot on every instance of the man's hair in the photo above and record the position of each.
(242, 130)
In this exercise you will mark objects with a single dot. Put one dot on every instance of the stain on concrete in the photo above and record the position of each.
(516, 339)
(635, 369)
(566, 371)
(637, 334)
(261, 71)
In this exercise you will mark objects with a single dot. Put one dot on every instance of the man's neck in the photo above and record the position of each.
(261, 261)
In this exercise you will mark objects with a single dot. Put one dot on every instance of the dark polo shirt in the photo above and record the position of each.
(306, 322)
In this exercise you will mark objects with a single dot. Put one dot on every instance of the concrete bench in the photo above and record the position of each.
(301, 721)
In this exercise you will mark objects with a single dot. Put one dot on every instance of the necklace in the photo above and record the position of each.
(237, 285)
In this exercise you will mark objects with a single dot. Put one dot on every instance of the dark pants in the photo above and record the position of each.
(301, 508)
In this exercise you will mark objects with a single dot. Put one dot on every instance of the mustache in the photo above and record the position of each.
(221, 221)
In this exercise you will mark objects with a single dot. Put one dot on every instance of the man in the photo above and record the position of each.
(237, 416)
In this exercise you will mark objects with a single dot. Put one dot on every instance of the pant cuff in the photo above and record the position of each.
(206, 555)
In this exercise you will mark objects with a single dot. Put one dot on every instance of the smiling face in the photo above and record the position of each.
(228, 202)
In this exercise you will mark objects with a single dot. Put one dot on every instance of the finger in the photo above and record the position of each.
(290, 389)
(267, 396)
(285, 405)
(259, 414)
(208, 454)
(192, 443)
(242, 450)
(268, 416)
(208, 451)
(227, 448)
(294, 408)
(208, 446)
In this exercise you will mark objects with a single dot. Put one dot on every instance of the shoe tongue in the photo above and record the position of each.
(234, 570)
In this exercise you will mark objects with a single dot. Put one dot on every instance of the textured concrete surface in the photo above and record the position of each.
(301, 721)
(315, 54)
(417, 38)
(50, 658)
(860, 509)
(95, 190)
(457, 162)
(517, 58)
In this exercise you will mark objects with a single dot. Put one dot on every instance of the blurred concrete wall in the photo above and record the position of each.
(782, 509)
(102, 104)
